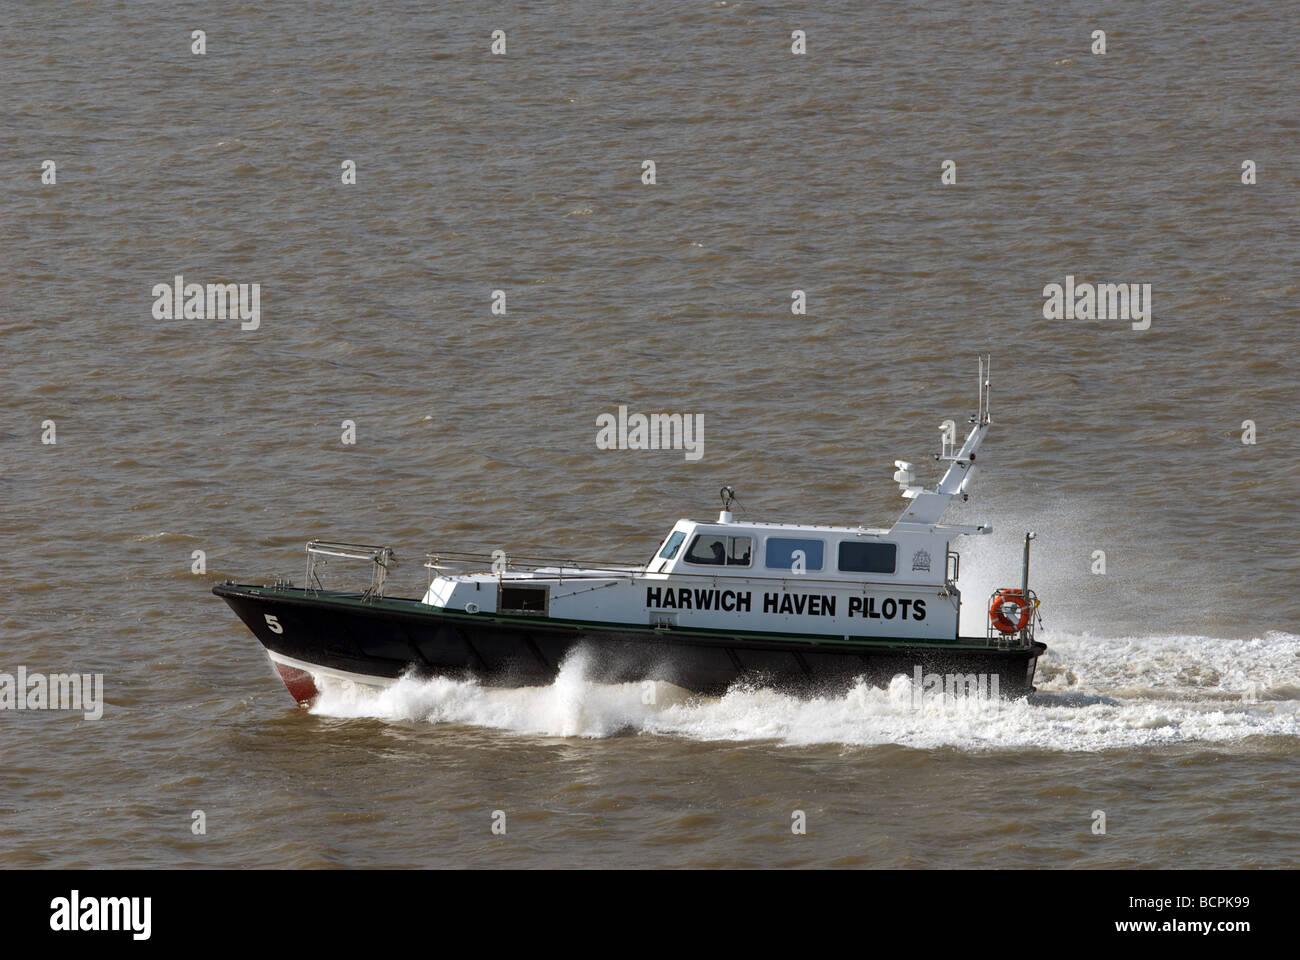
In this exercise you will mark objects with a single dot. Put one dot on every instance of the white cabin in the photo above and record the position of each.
(743, 576)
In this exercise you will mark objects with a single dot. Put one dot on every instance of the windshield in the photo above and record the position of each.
(671, 544)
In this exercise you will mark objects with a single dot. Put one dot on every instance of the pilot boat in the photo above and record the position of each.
(801, 606)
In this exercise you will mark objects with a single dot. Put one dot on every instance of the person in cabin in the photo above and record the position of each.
(719, 552)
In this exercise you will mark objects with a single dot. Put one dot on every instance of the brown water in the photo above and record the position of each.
(1170, 693)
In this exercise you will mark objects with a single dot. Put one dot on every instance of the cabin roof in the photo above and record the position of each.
(772, 527)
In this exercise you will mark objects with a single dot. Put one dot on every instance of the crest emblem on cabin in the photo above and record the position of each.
(921, 561)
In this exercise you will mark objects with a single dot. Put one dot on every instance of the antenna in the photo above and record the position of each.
(728, 495)
(986, 376)
(928, 505)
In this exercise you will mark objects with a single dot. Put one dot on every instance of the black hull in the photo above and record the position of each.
(381, 639)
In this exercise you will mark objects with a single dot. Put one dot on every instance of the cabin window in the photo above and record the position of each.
(858, 556)
(514, 598)
(781, 553)
(670, 546)
(717, 549)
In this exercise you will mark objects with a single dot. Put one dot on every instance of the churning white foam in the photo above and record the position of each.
(1094, 694)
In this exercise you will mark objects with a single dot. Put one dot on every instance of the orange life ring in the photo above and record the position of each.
(998, 615)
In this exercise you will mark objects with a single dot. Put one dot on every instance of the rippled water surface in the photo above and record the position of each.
(1170, 692)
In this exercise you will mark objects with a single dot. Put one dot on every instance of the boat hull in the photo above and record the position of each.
(375, 641)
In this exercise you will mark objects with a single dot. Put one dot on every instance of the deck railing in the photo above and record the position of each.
(1020, 638)
(499, 563)
(381, 559)
(452, 562)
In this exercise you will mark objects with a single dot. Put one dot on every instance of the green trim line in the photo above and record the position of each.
(415, 607)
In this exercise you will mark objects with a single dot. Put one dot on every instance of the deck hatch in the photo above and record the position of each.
(516, 598)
